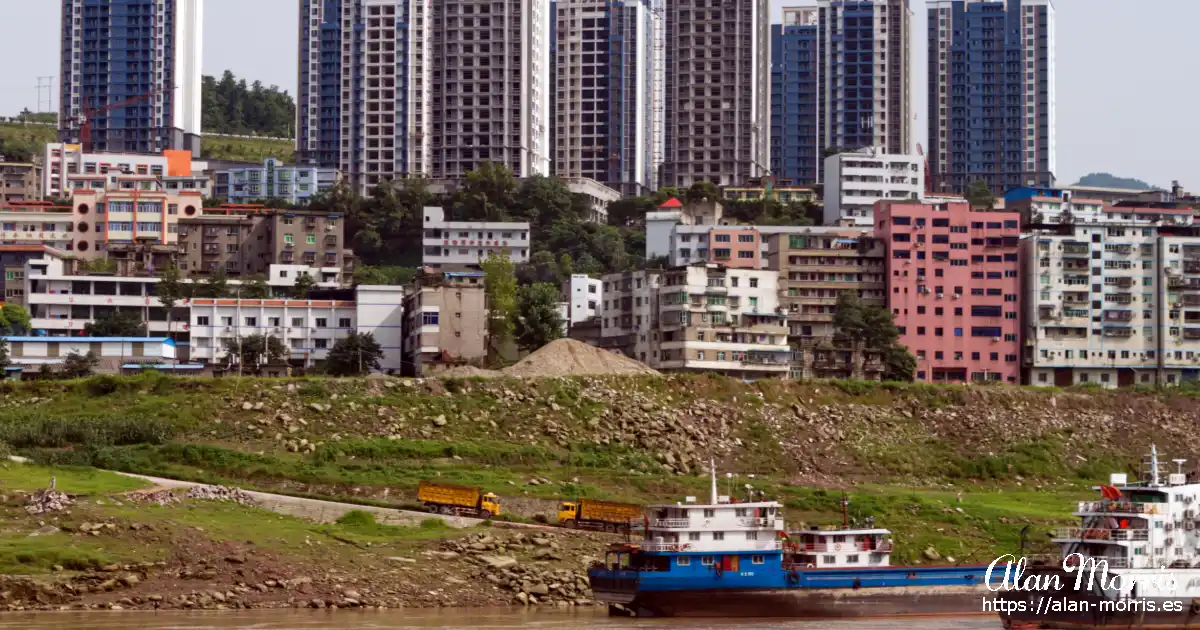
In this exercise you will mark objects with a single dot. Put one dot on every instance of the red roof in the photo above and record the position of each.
(672, 203)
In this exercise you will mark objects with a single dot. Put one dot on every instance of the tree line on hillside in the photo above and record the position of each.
(231, 106)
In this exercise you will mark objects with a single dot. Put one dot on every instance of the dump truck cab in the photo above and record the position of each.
(568, 511)
(490, 504)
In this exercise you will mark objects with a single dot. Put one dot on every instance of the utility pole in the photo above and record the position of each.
(47, 84)
(237, 330)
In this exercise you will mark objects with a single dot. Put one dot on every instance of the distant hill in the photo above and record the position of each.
(231, 106)
(1108, 180)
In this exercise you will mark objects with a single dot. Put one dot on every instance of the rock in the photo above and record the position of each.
(351, 595)
(218, 596)
(523, 598)
(235, 559)
(541, 542)
(247, 406)
(499, 562)
(316, 603)
(931, 554)
(45, 530)
(402, 559)
(155, 598)
(444, 555)
(439, 421)
(539, 589)
(130, 580)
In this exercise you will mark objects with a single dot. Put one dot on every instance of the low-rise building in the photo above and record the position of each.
(463, 245)
(308, 328)
(954, 289)
(445, 321)
(272, 180)
(29, 354)
(700, 317)
(597, 194)
(66, 169)
(782, 194)
(36, 223)
(20, 181)
(855, 181)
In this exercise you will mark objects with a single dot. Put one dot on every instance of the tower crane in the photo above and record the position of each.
(85, 119)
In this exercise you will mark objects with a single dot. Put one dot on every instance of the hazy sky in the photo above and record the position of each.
(1124, 101)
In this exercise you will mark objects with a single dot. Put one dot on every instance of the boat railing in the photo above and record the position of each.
(757, 522)
(767, 545)
(1098, 533)
(1121, 507)
(671, 523)
(1113, 562)
(885, 546)
(663, 546)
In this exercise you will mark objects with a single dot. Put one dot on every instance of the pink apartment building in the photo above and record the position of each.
(953, 285)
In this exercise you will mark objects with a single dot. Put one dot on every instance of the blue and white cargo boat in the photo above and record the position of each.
(733, 559)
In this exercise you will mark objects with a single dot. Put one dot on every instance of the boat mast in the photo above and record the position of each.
(712, 466)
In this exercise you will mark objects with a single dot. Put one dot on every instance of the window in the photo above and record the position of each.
(753, 283)
(429, 319)
(757, 560)
(202, 321)
(287, 238)
(683, 561)
(297, 321)
(252, 321)
(710, 513)
(322, 322)
(852, 559)
(311, 239)
(343, 322)
(321, 344)
(829, 559)
(707, 561)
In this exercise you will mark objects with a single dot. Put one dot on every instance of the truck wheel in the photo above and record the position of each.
(610, 528)
(570, 524)
(447, 510)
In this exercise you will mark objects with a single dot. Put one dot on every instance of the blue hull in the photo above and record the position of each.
(770, 591)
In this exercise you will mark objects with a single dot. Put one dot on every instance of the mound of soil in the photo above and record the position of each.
(567, 357)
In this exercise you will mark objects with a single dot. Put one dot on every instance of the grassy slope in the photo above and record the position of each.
(34, 137)
(1017, 457)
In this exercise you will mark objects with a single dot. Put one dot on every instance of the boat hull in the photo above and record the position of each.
(812, 603)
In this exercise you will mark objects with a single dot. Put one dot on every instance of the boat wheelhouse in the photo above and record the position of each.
(823, 549)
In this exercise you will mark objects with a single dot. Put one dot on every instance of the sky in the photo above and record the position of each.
(1125, 96)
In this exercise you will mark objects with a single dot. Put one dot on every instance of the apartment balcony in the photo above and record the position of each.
(1122, 283)
(1191, 300)
(1191, 266)
(1118, 333)
(1191, 333)
(1118, 316)
(1076, 251)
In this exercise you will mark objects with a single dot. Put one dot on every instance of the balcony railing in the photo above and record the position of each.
(1118, 316)
(1120, 507)
(1077, 533)
(1119, 333)
(671, 523)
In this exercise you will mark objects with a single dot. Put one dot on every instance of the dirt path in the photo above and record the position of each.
(329, 511)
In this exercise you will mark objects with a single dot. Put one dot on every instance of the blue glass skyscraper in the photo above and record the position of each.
(143, 55)
(991, 94)
(795, 86)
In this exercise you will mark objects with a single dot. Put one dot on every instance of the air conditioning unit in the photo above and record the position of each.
(995, 339)
(957, 295)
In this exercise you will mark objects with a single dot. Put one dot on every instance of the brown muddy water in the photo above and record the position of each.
(444, 619)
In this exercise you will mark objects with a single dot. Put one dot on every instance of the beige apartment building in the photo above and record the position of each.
(20, 181)
(445, 322)
(249, 240)
(815, 268)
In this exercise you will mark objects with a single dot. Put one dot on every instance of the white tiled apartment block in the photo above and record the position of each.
(462, 244)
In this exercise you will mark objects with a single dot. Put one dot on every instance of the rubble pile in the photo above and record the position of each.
(530, 583)
(47, 500)
(568, 357)
(219, 493)
(158, 497)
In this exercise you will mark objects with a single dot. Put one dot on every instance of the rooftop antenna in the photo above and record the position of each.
(1154, 463)
(1179, 465)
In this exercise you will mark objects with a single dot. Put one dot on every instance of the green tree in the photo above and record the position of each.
(254, 350)
(543, 201)
(5, 361)
(703, 191)
(629, 211)
(216, 285)
(170, 291)
(898, 364)
(355, 355)
(537, 319)
(665, 193)
(14, 320)
(230, 106)
(875, 328)
(366, 274)
(77, 365)
(255, 287)
(487, 193)
(116, 324)
(980, 195)
(303, 286)
(500, 292)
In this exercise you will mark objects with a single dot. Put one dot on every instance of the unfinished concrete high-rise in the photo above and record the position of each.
(365, 72)
(604, 86)
(717, 97)
(491, 86)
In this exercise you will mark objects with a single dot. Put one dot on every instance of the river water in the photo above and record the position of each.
(444, 619)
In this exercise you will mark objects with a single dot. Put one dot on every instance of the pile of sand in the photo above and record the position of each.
(467, 371)
(567, 357)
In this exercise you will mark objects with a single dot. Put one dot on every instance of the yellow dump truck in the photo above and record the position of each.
(445, 498)
(601, 515)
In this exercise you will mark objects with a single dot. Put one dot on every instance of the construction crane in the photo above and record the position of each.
(928, 180)
(85, 119)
